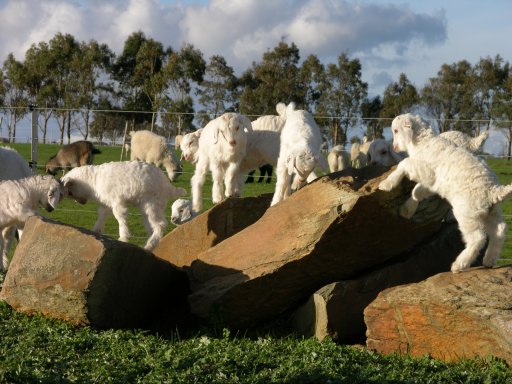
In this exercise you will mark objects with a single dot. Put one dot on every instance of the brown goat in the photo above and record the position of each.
(70, 156)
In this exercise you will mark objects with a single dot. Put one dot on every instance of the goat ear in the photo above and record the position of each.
(67, 183)
(280, 108)
(215, 134)
(246, 123)
(198, 132)
(187, 213)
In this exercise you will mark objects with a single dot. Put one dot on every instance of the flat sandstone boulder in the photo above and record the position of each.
(336, 310)
(73, 274)
(334, 228)
(448, 316)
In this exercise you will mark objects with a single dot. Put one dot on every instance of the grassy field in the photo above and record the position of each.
(38, 350)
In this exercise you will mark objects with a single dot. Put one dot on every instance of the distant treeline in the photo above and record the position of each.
(85, 87)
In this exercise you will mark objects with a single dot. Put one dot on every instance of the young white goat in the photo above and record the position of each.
(181, 211)
(338, 159)
(189, 145)
(116, 185)
(222, 147)
(466, 182)
(381, 152)
(153, 149)
(13, 167)
(22, 198)
(472, 144)
(299, 152)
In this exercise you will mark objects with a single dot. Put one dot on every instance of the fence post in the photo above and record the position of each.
(35, 117)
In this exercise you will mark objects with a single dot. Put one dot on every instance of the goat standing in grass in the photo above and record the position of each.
(222, 147)
(22, 198)
(13, 167)
(116, 185)
(70, 156)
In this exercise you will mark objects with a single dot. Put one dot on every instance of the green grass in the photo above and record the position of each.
(39, 350)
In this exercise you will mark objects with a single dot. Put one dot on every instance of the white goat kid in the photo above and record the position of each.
(472, 144)
(472, 189)
(381, 152)
(116, 185)
(338, 159)
(13, 167)
(22, 198)
(181, 211)
(222, 147)
(189, 146)
(299, 152)
(153, 149)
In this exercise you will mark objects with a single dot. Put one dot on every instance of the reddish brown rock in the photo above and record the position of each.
(75, 275)
(184, 243)
(448, 316)
(333, 229)
(336, 310)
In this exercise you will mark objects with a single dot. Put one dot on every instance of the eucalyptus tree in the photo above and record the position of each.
(14, 95)
(184, 71)
(90, 63)
(371, 110)
(344, 92)
(132, 98)
(275, 79)
(490, 76)
(312, 76)
(448, 96)
(218, 92)
(61, 53)
(399, 97)
(40, 86)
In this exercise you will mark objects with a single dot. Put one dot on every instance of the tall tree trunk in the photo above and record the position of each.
(68, 128)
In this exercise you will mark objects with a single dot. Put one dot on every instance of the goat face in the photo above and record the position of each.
(231, 127)
(181, 211)
(74, 191)
(53, 197)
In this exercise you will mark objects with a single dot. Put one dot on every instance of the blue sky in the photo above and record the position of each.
(388, 36)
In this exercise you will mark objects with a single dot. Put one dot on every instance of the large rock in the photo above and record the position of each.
(448, 316)
(184, 243)
(333, 229)
(75, 275)
(336, 310)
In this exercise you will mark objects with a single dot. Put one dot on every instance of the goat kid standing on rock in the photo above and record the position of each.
(70, 156)
(466, 182)
(116, 185)
(22, 198)
(222, 147)
(299, 152)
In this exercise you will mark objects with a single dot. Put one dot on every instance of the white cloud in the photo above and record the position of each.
(240, 30)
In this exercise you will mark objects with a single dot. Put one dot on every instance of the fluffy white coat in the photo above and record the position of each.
(116, 185)
(299, 152)
(13, 167)
(153, 149)
(466, 182)
(22, 198)
(222, 147)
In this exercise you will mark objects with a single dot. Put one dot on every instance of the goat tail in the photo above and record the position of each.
(500, 193)
(96, 150)
(477, 142)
